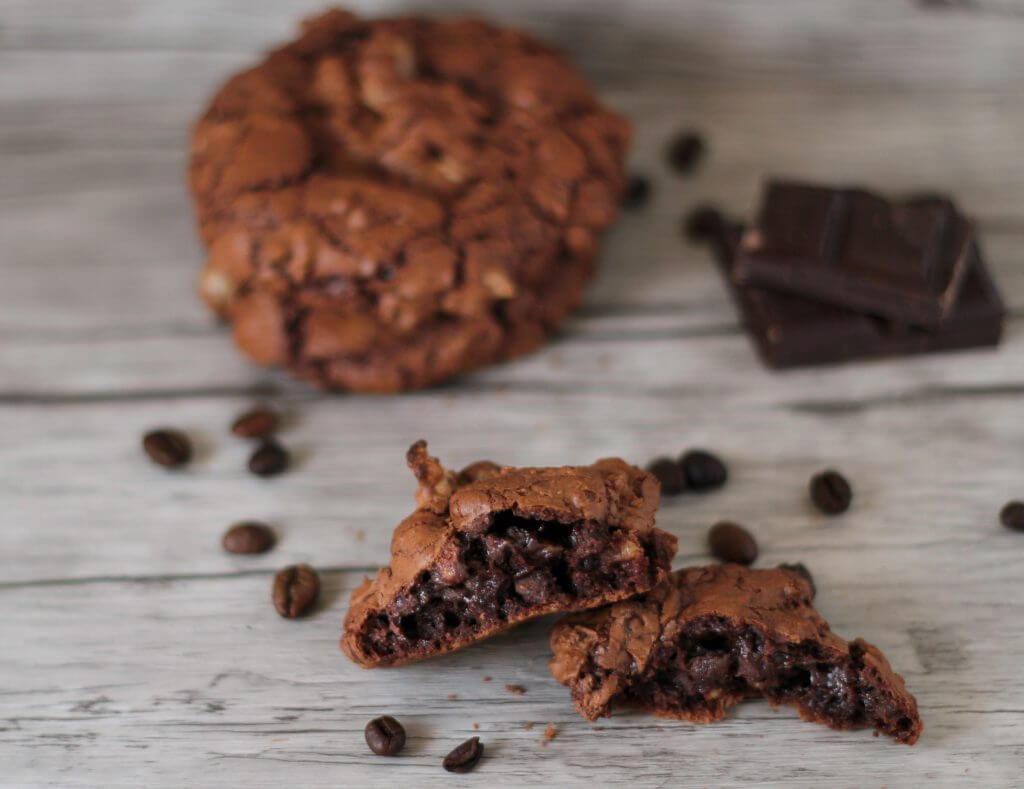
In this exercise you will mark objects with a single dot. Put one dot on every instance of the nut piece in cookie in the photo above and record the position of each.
(387, 203)
(493, 546)
(711, 636)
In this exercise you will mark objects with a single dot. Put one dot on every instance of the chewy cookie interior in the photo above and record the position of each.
(714, 662)
(513, 567)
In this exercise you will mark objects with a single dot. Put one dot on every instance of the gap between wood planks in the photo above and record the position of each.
(161, 578)
(830, 406)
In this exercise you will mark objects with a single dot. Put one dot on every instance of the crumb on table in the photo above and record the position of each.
(515, 690)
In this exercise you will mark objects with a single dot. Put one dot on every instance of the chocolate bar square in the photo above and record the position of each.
(794, 331)
(906, 261)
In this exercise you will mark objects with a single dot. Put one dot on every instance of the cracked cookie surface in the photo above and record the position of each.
(712, 636)
(388, 203)
(492, 546)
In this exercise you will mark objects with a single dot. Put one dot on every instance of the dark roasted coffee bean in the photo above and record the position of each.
(248, 537)
(258, 423)
(170, 448)
(685, 152)
(703, 470)
(464, 758)
(1012, 515)
(296, 588)
(638, 190)
(830, 492)
(730, 542)
(703, 224)
(269, 459)
(669, 474)
(800, 569)
(385, 736)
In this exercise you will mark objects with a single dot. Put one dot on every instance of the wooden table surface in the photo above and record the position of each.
(133, 652)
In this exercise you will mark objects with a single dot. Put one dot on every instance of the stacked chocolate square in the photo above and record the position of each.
(832, 274)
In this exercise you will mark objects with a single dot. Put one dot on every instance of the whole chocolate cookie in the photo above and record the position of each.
(712, 636)
(493, 546)
(388, 203)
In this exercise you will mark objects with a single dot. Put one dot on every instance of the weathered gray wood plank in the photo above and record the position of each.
(75, 476)
(133, 652)
(201, 682)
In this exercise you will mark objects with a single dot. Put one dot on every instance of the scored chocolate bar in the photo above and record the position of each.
(906, 261)
(794, 331)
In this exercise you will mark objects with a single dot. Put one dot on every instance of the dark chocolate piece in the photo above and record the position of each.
(793, 331)
(906, 261)
(493, 546)
(712, 636)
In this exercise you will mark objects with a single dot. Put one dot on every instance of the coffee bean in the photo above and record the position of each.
(685, 152)
(830, 492)
(258, 423)
(703, 470)
(800, 569)
(704, 223)
(296, 588)
(638, 190)
(1012, 515)
(730, 542)
(669, 474)
(167, 447)
(464, 758)
(385, 736)
(248, 537)
(269, 459)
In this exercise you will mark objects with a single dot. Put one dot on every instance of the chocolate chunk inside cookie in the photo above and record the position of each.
(712, 636)
(494, 546)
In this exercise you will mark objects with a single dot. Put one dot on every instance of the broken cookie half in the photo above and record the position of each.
(711, 636)
(493, 546)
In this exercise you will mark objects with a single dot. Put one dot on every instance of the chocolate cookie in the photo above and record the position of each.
(388, 203)
(493, 546)
(712, 636)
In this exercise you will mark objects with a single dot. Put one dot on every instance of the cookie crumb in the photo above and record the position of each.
(515, 690)
(360, 535)
(452, 696)
(528, 725)
(488, 678)
(476, 726)
(550, 732)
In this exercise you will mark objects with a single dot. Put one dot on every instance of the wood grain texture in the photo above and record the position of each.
(134, 653)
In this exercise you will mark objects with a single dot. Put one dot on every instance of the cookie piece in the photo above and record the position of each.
(712, 636)
(388, 203)
(493, 546)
